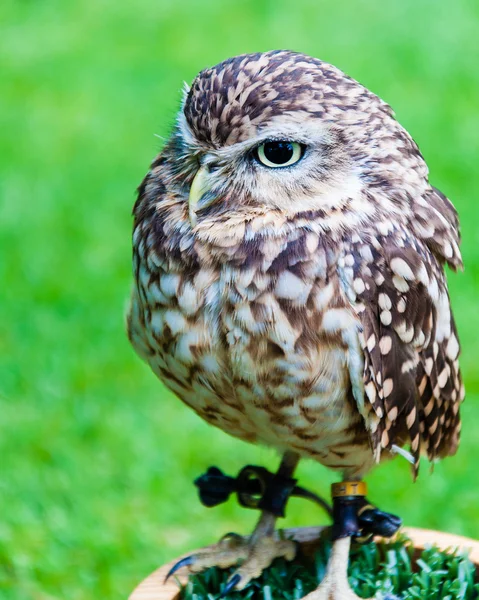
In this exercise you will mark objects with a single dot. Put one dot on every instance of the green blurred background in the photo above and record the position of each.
(96, 458)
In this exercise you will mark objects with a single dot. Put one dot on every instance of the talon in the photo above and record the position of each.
(184, 562)
(230, 585)
(230, 550)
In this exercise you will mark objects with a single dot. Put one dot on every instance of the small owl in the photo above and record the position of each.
(289, 256)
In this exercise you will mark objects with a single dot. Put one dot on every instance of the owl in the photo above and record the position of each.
(289, 285)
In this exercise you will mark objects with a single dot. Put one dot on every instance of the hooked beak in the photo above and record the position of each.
(199, 187)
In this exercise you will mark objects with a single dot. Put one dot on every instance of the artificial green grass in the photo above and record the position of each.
(97, 459)
(385, 570)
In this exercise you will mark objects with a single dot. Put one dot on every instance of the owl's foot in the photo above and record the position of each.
(256, 488)
(253, 554)
(260, 555)
(231, 549)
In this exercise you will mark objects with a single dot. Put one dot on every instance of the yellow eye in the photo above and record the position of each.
(276, 154)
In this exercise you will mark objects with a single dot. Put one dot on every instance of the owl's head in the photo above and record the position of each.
(287, 132)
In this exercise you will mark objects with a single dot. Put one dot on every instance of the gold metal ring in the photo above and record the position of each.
(349, 488)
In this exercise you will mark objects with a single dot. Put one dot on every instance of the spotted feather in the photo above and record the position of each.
(411, 376)
(292, 307)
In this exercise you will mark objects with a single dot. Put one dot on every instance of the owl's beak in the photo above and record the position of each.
(199, 187)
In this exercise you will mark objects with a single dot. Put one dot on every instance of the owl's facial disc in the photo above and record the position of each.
(290, 164)
(334, 144)
(270, 155)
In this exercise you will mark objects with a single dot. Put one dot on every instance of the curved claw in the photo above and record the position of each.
(184, 562)
(230, 585)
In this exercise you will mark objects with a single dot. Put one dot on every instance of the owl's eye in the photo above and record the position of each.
(276, 154)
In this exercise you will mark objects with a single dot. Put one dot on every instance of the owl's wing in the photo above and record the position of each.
(398, 289)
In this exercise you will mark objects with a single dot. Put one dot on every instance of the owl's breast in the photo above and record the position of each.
(257, 349)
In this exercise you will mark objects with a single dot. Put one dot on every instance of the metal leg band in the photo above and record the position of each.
(354, 516)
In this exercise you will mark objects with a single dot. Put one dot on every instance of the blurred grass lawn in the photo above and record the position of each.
(97, 459)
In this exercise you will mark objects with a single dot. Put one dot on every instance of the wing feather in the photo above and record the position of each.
(412, 381)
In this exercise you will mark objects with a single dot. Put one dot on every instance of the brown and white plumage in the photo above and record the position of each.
(302, 303)
(305, 307)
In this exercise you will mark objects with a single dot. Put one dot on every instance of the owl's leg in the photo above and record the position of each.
(253, 554)
(353, 517)
(335, 584)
